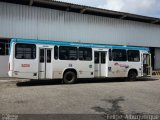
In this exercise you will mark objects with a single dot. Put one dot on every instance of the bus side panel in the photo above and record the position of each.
(117, 69)
(84, 69)
(121, 69)
(136, 66)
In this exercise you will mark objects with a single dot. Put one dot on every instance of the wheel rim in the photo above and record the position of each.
(132, 76)
(69, 77)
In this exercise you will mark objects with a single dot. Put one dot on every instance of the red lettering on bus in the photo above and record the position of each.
(25, 65)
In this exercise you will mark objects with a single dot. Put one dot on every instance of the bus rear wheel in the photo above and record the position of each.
(69, 77)
(132, 75)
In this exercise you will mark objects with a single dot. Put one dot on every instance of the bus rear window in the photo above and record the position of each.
(25, 51)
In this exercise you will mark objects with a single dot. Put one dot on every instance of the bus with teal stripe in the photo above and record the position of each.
(69, 61)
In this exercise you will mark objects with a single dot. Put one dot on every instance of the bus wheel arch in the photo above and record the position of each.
(69, 76)
(132, 74)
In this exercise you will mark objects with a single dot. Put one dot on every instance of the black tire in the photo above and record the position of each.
(69, 77)
(132, 75)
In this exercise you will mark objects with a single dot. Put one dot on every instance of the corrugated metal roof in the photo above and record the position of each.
(82, 9)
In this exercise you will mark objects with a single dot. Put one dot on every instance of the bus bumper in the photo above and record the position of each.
(10, 73)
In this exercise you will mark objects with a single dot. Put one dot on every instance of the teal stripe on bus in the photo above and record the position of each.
(49, 42)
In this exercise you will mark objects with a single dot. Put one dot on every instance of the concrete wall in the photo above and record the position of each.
(4, 66)
(19, 21)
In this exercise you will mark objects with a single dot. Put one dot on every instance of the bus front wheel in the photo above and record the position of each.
(69, 77)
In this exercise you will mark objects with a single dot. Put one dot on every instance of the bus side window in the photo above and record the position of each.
(110, 55)
(55, 52)
(68, 53)
(133, 55)
(85, 54)
(119, 55)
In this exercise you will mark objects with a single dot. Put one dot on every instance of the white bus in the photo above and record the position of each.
(40, 59)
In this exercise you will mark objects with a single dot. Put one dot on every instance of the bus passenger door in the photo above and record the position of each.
(100, 64)
(45, 63)
(147, 69)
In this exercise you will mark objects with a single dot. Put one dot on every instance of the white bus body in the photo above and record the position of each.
(38, 59)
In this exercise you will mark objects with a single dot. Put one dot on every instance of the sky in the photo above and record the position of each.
(141, 7)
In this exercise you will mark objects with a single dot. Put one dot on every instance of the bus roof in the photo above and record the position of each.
(49, 42)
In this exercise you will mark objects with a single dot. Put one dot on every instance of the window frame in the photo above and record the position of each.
(83, 53)
(68, 52)
(4, 47)
(113, 59)
(132, 51)
(33, 52)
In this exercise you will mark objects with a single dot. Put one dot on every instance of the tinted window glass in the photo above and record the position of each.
(56, 52)
(4, 46)
(85, 54)
(48, 56)
(41, 55)
(25, 51)
(67, 53)
(133, 55)
(96, 57)
(110, 54)
(103, 57)
(119, 55)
